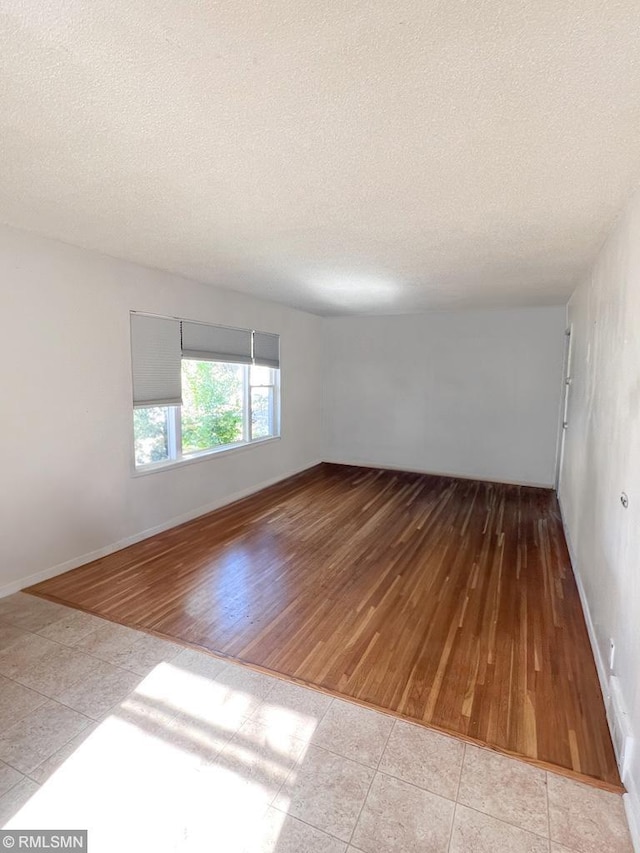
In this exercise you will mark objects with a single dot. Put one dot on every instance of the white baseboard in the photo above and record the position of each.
(368, 464)
(75, 562)
(603, 673)
(632, 798)
(631, 802)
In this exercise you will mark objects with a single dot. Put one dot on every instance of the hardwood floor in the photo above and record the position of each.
(450, 602)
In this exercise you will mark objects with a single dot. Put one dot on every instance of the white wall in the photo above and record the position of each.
(66, 415)
(602, 459)
(469, 393)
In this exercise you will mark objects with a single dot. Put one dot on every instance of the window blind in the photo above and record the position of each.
(266, 349)
(216, 343)
(155, 360)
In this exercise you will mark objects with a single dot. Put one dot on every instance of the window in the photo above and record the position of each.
(213, 406)
(224, 405)
(224, 394)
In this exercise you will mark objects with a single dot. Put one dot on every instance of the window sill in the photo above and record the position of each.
(155, 467)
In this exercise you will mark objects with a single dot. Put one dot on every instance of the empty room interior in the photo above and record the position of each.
(320, 514)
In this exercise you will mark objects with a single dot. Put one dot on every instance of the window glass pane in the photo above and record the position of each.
(211, 404)
(261, 375)
(151, 433)
(261, 412)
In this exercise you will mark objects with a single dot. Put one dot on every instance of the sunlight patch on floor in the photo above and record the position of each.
(185, 762)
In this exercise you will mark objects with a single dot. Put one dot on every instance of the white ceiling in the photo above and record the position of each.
(373, 156)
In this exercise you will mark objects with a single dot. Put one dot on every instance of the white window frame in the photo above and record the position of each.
(174, 428)
(274, 408)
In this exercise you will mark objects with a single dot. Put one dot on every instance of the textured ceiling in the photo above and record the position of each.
(373, 156)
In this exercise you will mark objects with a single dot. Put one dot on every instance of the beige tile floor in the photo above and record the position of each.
(154, 747)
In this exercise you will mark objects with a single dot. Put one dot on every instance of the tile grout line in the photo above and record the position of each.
(413, 785)
(455, 806)
(56, 700)
(17, 782)
(546, 786)
(324, 748)
(62, 745)
(361, 809)
(502, 819)
(70, 646)
(375, 772)
(386, 773)
(49, 757)
(453, 823)
(74, 684)
(505, 822)
(40, 707)
(297, 762)
(25, 778)
(337, 755)
(311, 825)
(464, 755)
(71, 610)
